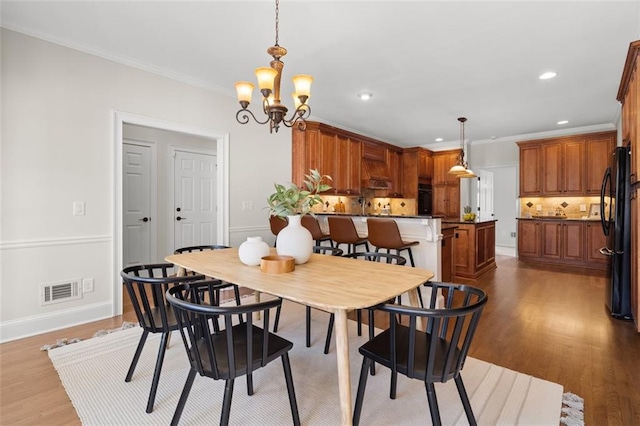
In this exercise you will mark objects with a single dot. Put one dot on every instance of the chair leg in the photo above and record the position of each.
(286, 366)
(226, 402)
(394, 384)
(249, 384)
(371, 326)
(308, 325)
(433, 404)
(411, 257)
(362, 384)
(156, 373)
(277, 320)
(332, 319)
(136, 356)
(183, 397)
(465, 401)
(236, 293)
(359, 318)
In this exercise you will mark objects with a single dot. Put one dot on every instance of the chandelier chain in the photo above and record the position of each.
(277, 21)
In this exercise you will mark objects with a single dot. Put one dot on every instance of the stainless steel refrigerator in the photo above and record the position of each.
(615, 216)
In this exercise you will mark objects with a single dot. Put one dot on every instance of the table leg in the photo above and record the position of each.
(181, 272)
(256, 298)
(344, 377)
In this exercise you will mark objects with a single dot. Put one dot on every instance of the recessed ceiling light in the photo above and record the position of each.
(547, 75)
(493, 137)
(365, 96)
(563, 122)
(439, 139)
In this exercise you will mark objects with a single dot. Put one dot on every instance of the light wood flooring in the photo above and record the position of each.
(551, 324)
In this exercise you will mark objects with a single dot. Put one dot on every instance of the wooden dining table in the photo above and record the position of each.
(333, 284)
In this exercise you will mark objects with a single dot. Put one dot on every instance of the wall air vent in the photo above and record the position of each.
(60, 292)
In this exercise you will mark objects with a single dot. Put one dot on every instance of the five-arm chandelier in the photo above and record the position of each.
(269, 85)
(461, 168)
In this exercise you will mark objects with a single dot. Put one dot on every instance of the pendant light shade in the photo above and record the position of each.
(460, 169)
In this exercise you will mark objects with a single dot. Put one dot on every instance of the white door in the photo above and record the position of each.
(195, 199)
(485, 194)
(138, 206)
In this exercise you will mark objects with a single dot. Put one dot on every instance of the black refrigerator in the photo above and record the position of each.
(615, 216)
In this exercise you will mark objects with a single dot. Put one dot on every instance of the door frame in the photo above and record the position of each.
(222, 151)
(153, 176)
(173, 149)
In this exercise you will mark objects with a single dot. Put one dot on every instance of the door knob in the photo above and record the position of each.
(145, 219)
(180, 218)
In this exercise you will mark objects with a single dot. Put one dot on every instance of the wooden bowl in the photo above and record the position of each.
(276, 264)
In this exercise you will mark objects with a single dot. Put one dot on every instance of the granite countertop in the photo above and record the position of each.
(468, 222)
(585, 219)
(391, 216)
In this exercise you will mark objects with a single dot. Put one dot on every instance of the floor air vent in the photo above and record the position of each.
(60, 292)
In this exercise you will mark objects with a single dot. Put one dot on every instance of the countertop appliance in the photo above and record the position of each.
(425, 200)
(615, 216)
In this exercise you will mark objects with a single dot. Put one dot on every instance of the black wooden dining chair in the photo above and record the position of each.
(371, 257)
(233, 351)
(333, 251)
(434, 355)
(146, 286)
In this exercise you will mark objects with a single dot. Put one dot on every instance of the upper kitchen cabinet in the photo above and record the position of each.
(417, 167)
(565, 166)
(446, 187)
(394, 160)
(324, 148)
(442, 163)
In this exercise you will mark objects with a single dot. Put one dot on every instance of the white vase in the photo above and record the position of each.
(252, 250)
(295, 240)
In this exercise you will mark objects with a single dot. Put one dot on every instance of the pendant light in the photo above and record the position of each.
(460, 169)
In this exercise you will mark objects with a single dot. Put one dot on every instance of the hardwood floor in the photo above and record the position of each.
(551, 324)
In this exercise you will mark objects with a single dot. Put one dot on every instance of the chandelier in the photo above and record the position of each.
(461, 169)
(269, 86)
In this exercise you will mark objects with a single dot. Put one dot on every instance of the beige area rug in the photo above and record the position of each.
(93, 371)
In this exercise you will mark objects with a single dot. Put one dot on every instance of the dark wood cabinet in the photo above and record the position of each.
(562, 242)
(566, 166)
(475, 250)
(446, 187)
(394, 160)
(425, 165)
(448, 255)
(417, 167)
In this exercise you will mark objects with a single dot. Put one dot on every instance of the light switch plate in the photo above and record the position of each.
(539, 207)
(583, 207)
(78, 208)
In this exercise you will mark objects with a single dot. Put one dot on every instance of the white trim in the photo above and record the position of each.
(52, 242)
(51, 321)
(222, 149)
(242, 229)
(505, 251)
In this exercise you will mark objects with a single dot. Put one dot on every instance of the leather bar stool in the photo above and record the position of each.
(384, 234)
(277, 224)
(343, 231)
(311, 223)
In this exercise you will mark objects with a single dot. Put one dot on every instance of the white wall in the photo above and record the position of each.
(58, 147)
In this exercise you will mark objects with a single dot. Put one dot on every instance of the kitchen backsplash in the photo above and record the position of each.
(374, 205)
(571, 207)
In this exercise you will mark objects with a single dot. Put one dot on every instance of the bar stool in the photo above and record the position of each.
(311, 223)
(384, 234)
(277, 224)
(343, 231)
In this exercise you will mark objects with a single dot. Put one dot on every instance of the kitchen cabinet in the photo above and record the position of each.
(529, 238)
(565, 166)
(332, 152)
(475, 250)
(629, 96)
(446, 201)
(448, 254)
(562, 242)
(595, 241)
(446, 187)
(394, 160)
(417, 167)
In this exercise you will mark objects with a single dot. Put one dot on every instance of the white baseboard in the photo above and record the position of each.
(38, 324)
(506, 251)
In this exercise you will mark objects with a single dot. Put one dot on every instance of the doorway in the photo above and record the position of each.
(218, 143)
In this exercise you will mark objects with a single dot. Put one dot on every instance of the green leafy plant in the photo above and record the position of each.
(292, 200)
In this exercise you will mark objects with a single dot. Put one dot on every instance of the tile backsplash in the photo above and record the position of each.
(373, 205)
(572, 207)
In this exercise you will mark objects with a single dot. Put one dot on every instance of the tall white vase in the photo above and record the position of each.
(295, 240)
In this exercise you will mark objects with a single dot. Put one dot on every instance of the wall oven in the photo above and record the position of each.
(425, 197)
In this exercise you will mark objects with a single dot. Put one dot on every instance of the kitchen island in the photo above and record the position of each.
(425, 229)
(475, 249)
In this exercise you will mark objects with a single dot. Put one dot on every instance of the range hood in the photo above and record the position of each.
(375, 174)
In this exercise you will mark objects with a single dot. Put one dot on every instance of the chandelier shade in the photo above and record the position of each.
(269, 86)
(461, 169)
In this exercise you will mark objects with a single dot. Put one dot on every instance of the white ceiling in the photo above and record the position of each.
(425, 62)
